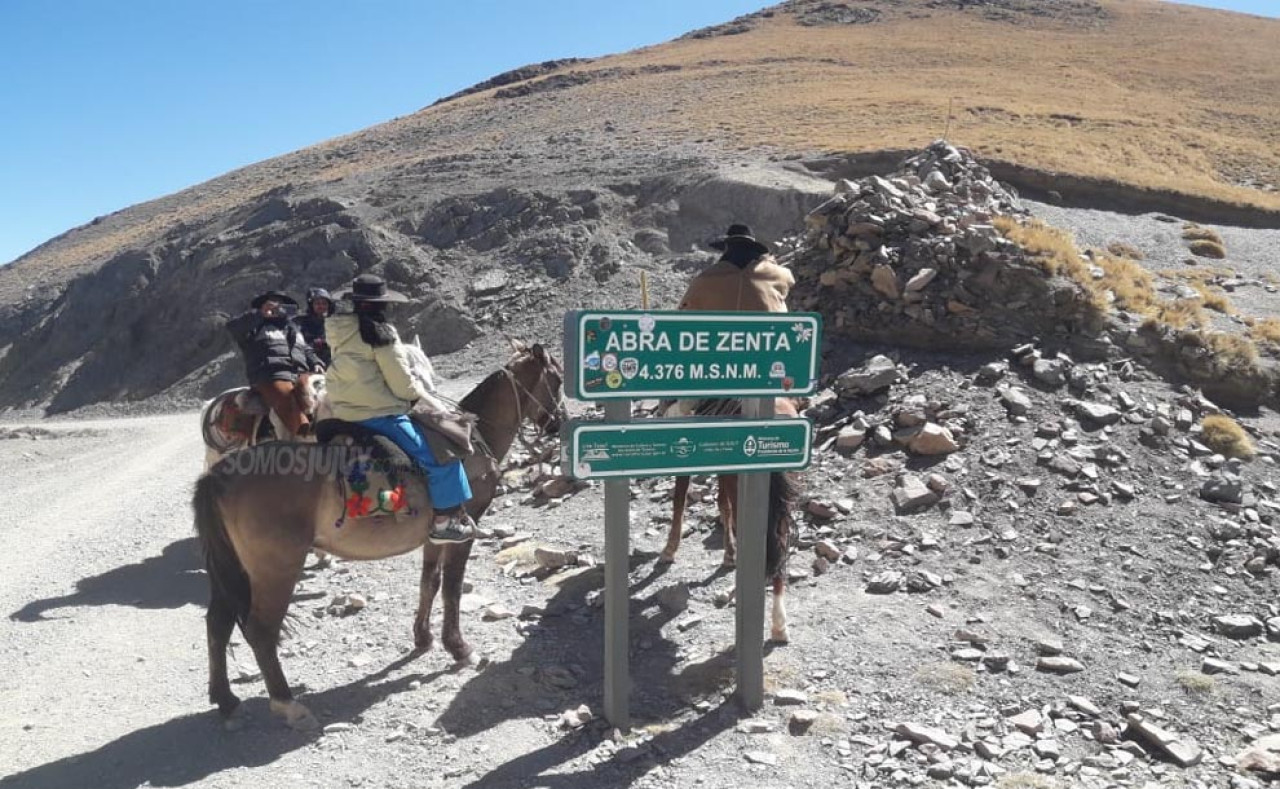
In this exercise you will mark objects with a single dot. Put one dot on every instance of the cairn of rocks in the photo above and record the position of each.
(915, 259)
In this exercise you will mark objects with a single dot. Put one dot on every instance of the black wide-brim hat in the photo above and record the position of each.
(272, 295)
(370, 288)
(739, 236)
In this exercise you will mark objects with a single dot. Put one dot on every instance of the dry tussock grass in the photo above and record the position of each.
(1054, 251)
(1224, 435)
(1179, 314)
(1214, 299)
(1122, 249)
(1208, 249)
(1233, 351)
(1193, 232)
(1133, 285)
(1195, 683)
(1266, 330)
(948, 678)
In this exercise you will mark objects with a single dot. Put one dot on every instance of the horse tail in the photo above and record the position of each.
(782, 494)
(227, 579)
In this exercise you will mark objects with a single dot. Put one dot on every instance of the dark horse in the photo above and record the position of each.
(783, 491)
(257, 525)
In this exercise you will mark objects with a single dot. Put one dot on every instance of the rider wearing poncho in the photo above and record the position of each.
(370, 382)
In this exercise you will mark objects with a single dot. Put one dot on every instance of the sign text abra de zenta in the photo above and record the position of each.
(638, 354)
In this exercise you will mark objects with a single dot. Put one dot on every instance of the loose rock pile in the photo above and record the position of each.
(915, 259)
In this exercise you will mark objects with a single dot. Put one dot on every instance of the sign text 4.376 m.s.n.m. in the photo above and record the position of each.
(635, 354)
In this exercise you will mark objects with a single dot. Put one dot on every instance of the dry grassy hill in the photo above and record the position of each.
(1144, 92)
(1158, 101)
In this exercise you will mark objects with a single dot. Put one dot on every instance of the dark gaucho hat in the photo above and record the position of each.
(272, 295)
(370, 288)
(739, 235)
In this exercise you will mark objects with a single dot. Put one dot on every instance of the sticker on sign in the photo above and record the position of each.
(665, 447)
(634, 354)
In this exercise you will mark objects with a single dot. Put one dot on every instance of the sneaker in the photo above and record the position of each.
(459, 528)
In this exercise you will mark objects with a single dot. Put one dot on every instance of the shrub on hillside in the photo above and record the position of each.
(1208, 249)
(1266, 330)
(1224, 435)
(1122, 250)
(1197, 233)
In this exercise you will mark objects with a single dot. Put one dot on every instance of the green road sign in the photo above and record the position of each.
(668, 447)
(638, 354)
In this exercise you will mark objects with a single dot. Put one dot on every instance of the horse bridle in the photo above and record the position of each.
(558, 414)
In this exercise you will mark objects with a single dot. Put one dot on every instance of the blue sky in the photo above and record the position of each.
(107, 103)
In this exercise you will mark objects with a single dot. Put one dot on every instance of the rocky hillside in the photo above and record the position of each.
(550, 186)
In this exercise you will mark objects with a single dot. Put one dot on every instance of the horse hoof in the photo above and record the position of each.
(296, 716)
(228, 705)
(667, 557)
(780, 637)
(729, 562)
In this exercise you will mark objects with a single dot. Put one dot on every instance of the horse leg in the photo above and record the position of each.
(679, 499)
(453, 568)
(262, 631)
(427, 589)
(727, 499)
(219, 622)
(778, 632)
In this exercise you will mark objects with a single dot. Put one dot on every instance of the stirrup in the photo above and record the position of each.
(458, 529)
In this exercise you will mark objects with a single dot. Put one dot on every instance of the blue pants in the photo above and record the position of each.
(448, 483)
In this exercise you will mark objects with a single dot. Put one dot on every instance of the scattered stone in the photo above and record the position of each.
(1098, 414)
(551, 559)
(801, 721)
(886, 582)
(1030, 722)
(1128, 680)
(1263, 756)
(788, 697)
(756, 726)
(1016, 401)
(495, 613)
(849, 439)
(347, 604)
(876, 375)
(1059, 665)
(933, 440)
(674, 599)
(1237, 626)
(922, 735)
(1050, 647)
(827, 550)
(1222, 490)
(761, 757)
(1182, 750)
(1215, 666)
(576, 718)
(912, 495)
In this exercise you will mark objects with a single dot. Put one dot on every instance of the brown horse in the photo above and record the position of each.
(782, 494)
(258, 518)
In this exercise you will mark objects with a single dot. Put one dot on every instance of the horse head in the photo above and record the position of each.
(539, 379)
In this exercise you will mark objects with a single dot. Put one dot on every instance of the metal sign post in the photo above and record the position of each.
(620, 356)
(617, 566)
(753, 509)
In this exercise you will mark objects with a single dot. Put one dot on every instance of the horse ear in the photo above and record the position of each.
(540, 354)
(417, 342)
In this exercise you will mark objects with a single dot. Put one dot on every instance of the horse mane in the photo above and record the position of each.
(472, 399)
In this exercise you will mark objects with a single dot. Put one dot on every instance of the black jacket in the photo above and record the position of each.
(273, 350)
(312, 326)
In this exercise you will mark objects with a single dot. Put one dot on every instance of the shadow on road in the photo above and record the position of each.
(558, 667)
(171, 580)
(187, 749)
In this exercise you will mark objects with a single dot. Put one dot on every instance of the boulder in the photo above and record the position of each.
(933, 440)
